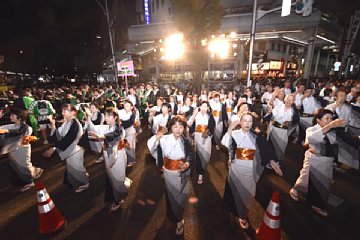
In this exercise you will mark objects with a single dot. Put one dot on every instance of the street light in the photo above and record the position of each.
(174, 47)
(219, 47)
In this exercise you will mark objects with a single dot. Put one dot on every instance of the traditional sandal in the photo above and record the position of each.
(320, 211)
(244, 224)
(200, 180)
(294, 195)
(180, 230)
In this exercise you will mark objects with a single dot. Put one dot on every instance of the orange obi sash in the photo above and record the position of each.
(171, 164)
(201, 128)
(245, 154)
(228, 109)
(27, 139)
(3, 131)
(216, 113)
(123, 144)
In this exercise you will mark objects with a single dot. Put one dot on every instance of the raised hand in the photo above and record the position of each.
(340, 122)
(51, 121)
(276, 167)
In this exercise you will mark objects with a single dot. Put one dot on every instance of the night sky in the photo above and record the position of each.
(55, 36)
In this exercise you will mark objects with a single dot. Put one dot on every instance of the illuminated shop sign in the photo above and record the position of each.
(147, 11)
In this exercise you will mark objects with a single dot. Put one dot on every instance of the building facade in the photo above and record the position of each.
(283, 45)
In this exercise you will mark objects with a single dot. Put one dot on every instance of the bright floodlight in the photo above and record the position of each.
(174, 46)
(220, 47)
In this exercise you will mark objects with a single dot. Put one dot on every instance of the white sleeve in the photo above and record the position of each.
(262, 98)
(235, 110)
(276, 112)
(89, 126)
(329, 107)
(313, 137)
(102, 119)
(7, 126)
(155, 124)
(226, 140)
(191, 121)
(152, 144)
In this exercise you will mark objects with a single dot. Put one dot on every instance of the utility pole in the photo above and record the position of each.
(252, 39)
(256, 16)
(106, 13)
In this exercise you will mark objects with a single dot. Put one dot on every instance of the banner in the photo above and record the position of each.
(125, 68)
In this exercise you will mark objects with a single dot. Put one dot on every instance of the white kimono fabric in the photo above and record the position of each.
(218, 131)
(176, 184)
(229, 108)
(130, 135)
(154, 109)
(202, 145)
(160, 121)
(315, 165)
(75, 174)
(20, 155)
(310, 105)
(279, 136)
(241, 185)
(348, 153)
(115, 163)
(265, 99)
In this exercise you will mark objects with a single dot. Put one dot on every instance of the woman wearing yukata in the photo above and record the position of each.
(162, 120)
(112, 136)
(65, 140)
(202, 125)
(221, 118)
(317, 172)
(97, 118)
(249, 153)
(229, 103)
(186, 109)
(173, 151)
(127, 117)
(173, 104)
(283, 121)
(14, 139)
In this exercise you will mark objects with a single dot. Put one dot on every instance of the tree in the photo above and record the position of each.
(197, 20)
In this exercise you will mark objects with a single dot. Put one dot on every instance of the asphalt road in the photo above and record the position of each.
(143, 215)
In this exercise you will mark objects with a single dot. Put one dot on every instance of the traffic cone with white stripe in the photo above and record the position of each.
(50, 218)
(270, 226)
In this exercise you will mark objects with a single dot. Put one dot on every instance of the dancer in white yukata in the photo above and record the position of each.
(249, 154)
(202, 125)
(283, 120)
(174, 152)
(112, 137)
(65, 140)
(317, 172)
(218, 110)
(127, 117)
(14, 140)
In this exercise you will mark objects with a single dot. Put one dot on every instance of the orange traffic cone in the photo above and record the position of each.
(270, 227)
(50, 218)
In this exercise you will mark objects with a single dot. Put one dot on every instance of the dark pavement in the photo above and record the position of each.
(144, 213)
